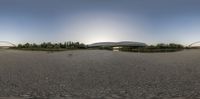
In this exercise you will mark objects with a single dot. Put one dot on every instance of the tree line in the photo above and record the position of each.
(166, 46)
(161, 47)
(49, 45)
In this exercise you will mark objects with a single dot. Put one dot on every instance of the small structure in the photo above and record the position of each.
(116, 48)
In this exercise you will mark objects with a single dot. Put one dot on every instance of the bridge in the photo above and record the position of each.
(6, 44)
(195, 45)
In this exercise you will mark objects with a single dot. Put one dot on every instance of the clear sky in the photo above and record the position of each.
(89, 21)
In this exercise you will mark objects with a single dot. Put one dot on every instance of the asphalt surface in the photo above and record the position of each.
(99, 74)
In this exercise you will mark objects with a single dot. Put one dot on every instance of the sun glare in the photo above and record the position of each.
(91, 28)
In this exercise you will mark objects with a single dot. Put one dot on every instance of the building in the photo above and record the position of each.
(116, 46)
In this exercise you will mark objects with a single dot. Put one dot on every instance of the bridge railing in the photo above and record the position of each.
(192, 45)
(9, 44)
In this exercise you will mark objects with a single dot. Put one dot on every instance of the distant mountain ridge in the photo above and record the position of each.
(122, 43)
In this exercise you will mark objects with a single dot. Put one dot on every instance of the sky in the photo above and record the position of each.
(90, 21)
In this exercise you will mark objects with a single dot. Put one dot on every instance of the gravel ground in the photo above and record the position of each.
(99, 74)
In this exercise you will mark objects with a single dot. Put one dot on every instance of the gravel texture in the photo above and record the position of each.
(99, 74)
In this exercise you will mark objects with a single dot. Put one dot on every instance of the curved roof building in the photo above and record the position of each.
(114, 44)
